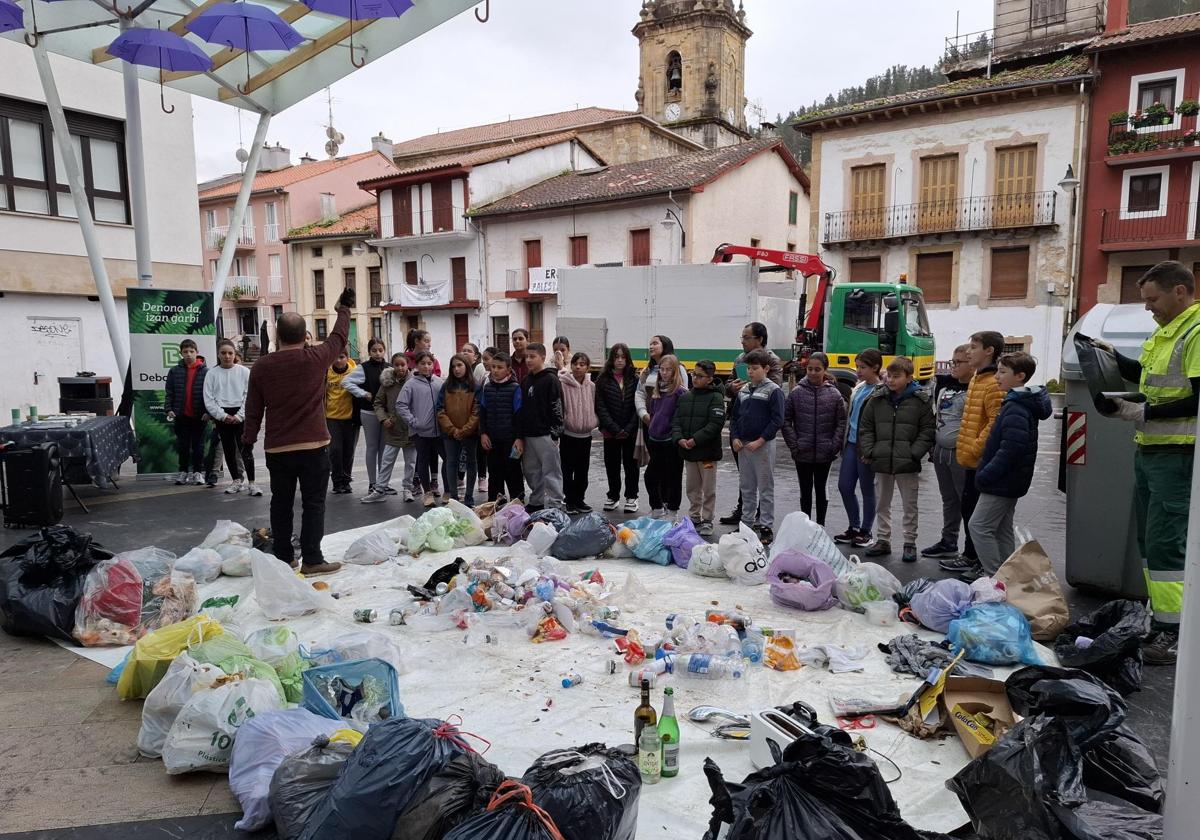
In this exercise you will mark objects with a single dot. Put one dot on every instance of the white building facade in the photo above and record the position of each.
(49, 311)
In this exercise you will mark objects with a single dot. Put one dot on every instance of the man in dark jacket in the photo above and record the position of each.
(696, 429)
(1006, 468)
(185, 408)
(499, 404)
(895, 434)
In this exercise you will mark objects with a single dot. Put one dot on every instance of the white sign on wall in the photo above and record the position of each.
(543, 281)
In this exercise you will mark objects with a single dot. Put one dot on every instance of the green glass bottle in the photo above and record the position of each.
(668, 728)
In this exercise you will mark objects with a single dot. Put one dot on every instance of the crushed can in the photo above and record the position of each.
(366, 616)
(396, 617)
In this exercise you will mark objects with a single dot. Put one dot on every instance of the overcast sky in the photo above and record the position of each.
(538, 56)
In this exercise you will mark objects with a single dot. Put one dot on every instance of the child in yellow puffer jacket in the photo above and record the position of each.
(342, 420)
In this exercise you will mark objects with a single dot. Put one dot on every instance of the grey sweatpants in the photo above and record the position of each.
(543, 472)
(373, 434)
(388, 462)
(951, 479)
(756, 478)
(992, 530)
(885, 490)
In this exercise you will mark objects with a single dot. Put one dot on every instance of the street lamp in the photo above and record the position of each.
(422, 261)
(1070, 184)
(671, 220)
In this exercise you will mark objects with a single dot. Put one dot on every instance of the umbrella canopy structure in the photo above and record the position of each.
(354, 10)
(12, 16)
(164, 50)
(246, 27)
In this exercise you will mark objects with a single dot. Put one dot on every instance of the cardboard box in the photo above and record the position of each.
(972, 702)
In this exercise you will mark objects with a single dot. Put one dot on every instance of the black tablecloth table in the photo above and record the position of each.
(93, 451)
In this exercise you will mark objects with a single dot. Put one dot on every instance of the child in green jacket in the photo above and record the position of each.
(696, 429)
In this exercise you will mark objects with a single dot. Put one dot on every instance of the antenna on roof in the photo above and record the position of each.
(336, 138)
(241, 154)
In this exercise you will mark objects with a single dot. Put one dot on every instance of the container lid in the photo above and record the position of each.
(1125, 326)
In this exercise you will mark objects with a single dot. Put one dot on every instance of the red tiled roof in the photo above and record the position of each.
(284, 177)
(509, 129)
(364, 220)
(1153, 30)
(478, 157)
(629, 180)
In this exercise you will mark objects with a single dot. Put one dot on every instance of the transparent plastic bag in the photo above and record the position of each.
(508, 524)
(235, 559)
(185, 677)
(863, 583)
(272, 644)
(799, 533)
(988, 590)
(432, 532)
(371, 549)
(941, 603)
(472, 533)
(994, 634)
(744, 557)
(227, 532)
(280, 593)
(203, 564)
(110, 610)
(359, 644)
(706, 561)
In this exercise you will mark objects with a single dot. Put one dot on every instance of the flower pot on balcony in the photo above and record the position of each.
(1188, 108)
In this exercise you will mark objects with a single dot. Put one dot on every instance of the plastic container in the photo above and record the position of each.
(708, 667)
(882, 613)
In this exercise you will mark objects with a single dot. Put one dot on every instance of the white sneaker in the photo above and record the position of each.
(611, 504)
(197, 479)
(373, 497)
(235, 486)
(181, 478)
(481, 486)
(253, 489)
(658, 513)
(631, 505)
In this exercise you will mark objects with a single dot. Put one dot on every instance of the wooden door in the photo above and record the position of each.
(939, 194)
(458, 280)
(402, 211)
(639, 247)
(866, 201)
(1016, 177)
(533, 256)
(443, 206)
(1130, 275)
(536, 322)
(410, 273)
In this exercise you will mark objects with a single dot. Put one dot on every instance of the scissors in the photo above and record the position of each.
(864, 722)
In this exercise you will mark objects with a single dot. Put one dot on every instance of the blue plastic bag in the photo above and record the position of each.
(994, 634)
(681, 540)
(362, 691)
(114, 675)
(650, 533)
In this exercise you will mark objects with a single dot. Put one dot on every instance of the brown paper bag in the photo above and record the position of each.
(641, 452)
(1033, 588)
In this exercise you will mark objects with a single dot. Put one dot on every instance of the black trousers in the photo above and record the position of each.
(231, 443)
(664, 475)
(813, 476)
(970, 498)
(189, 442)
(310, 469)
(481, 468)
(618, 456)
(427, 462)
(343, 438)
(504, 473)
(576, 456)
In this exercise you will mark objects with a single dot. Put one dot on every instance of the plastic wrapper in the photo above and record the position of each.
(1107, 643)
(42, 578)
(864, 583)
(988, 590)
(681, 540)
(437, 530)
(800, 581)
(556, 518)
(510, 815)
(744, 556)
(262, 743)
(382, 777)
(202, 736)
(235, 560)
(941, 603)
(508, 523)
(280, 593)
(799, 533)
(171, 599)
(302, 781)
(590, 791)
(371, 549)
(994, 634)
(203, 564)
(184, 678)
(152, 654)
(588, 536)
(780, 654)
(706, 562)
(362, 691)
(110, 609)
(227, 532)
(460, 790)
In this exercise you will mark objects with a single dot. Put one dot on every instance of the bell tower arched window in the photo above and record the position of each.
(674, 72)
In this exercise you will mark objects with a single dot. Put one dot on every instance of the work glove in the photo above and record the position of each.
(1131, 411)
(346, 298)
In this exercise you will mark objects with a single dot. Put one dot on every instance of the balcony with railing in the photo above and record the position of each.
(977, 214)
(1049, 26)
(1178, 225)
(516, 286)
(241, 288)
(217, 235)
(1131, 144)
(270, 232)
(442, 222)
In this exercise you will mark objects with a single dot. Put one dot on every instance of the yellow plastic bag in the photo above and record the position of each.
(346, 736)
(155, 651)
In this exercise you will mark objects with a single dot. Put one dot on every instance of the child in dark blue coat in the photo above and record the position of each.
(1009, 457)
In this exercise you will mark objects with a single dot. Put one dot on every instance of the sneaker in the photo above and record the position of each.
(1162, 648)
(845, 538)
(705, 529)
(764, 533)
(196, 479)
(235, 486)
(469, 501)
(388, 490)
(631, 505)
(881, 548)
(210, 478)
(957, 564)
(611, 504)
(428, 500)
(862, 540)
(571, 508)
(941, 548)
(733, 518)
(181, 478)
(910, 553)
(481, 486)
(972, 574)
(319, 568)
(253, 489)
(657, 513)
(407, 495)
(373, 497)
(583, 507)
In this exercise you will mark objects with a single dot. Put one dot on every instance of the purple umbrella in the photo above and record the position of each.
(11, 16)
(354, 10)
(161, 49)
(247, 27)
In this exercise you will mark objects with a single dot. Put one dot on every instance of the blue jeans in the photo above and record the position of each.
(455, 450)
(852, 473)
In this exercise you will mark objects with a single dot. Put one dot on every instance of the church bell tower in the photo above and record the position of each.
(692, 71)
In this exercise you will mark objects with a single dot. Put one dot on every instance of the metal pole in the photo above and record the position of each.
(117, 328)
(239, 208)
(1182, 811)
(135, 160)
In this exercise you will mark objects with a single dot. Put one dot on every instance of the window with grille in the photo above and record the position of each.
(318, 252)
(1047, 12)
(1014, 347)
(347, 250)
(935, 276)
(377, 328)
(319, 289)
(348, 276)
(376, 288)
(322, 329)
(1010, 273)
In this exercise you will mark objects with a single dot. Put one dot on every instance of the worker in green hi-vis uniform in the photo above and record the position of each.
(1168, 375)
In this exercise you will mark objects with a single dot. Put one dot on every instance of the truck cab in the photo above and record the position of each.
(890, 317)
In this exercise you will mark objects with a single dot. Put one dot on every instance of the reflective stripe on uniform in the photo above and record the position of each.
(1175, 426)
(1164, 383)
(1166, 577)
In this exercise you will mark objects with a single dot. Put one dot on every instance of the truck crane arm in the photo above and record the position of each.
(806, 264)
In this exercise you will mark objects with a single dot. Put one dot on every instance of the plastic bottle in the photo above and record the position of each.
(752, 647)
(708, 667)
(572, 680)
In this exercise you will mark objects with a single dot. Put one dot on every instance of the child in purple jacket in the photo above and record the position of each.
(814, 426)
(664, 474)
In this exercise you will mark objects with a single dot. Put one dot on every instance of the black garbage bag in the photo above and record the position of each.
(1115, 760)
(1109, 821)
(460, 790)
(511, 815)
(42, 579)
(302, 781)
(597, 802)
(588, 536)
(904, 597)
(391, 764)
(820, 787)
(556, 518)
(1115, 652)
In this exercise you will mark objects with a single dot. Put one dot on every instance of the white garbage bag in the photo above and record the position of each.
(262, 744)
(228, 532)
(203, 564)
(183, 679)
(358, 644)
(706, 561)
(799, 533)
(744, 557)
(371, 549)
(280, 594)
(201, 738)
(476, 534)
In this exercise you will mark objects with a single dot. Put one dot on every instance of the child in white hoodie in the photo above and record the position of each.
(225, 401)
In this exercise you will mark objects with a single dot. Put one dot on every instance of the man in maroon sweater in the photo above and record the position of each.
(289, 384)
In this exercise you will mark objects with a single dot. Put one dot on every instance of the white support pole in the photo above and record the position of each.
(239, 209)
(1182, 812)
(117, 328)
(135, 161)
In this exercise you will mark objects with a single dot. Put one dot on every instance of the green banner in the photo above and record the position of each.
(158, 320)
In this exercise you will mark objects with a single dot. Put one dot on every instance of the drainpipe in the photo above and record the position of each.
(1074, 244)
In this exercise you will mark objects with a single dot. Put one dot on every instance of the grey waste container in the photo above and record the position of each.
(1102, 550)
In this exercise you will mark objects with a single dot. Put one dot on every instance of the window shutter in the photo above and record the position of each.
(866, 270)
(935, 276)
(579, 250)
(1016, 176)
(939, 193)
(866, 200)
(458, 280)
(410, 273)
(1010, 273)
(443, 206)
(402, 211)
